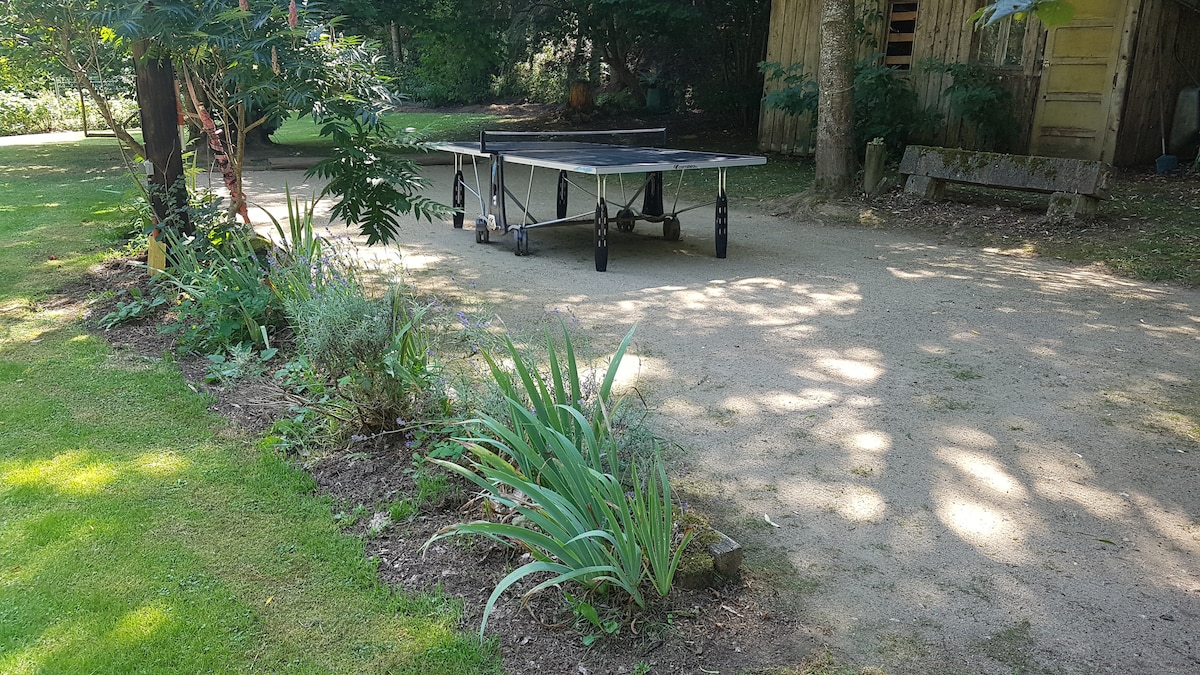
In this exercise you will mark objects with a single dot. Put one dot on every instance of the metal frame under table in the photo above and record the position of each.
(578, 152)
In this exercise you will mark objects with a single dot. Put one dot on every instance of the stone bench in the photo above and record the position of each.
(1075, 185)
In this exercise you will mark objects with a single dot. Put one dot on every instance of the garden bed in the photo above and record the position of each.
(738, 625)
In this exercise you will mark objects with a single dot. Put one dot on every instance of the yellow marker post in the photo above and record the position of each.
(156, 254)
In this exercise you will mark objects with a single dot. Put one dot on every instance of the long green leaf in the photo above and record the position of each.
(512, 578)
(614, 364)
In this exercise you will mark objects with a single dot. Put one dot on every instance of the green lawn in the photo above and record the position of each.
(138, 532)
(301, 133)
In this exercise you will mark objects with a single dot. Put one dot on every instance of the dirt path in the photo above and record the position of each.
(977, 463)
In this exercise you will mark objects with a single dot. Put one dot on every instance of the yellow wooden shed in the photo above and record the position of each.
(1102, 87)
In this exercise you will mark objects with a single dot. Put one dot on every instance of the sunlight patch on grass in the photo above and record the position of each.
(14, 331)
(164, 463)
(141, 623)
(70, 473)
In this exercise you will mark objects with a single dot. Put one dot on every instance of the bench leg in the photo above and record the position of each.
(925, 187)
(1067, 206)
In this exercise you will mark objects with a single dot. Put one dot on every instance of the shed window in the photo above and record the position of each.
(902, 27)
(1002, 44)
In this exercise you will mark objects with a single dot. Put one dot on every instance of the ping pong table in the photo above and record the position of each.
(599, 154)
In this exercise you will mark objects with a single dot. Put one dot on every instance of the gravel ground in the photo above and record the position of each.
(961, 461)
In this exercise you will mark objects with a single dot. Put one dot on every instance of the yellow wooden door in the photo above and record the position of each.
(1084, 68)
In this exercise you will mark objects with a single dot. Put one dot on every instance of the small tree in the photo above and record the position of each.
(68, 34)
(248, 66)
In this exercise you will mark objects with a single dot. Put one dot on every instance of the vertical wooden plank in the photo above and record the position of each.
(932, 18)
(934, 22)
(765, 114)
(808, 51)
(1121, 78)
(1145, 100)
(793, 35)
(1163, 63)
(959, 51)
(1025, 103)
(770, 131)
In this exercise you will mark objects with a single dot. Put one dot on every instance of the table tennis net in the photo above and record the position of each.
(646, 138)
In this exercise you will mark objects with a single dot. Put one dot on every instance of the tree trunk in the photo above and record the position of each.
(617, 62)
(397, 52)
(160, 131)
(581, 97)
(835, 107)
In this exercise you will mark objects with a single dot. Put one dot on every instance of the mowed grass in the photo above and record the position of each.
(302, 134)
(138, 532)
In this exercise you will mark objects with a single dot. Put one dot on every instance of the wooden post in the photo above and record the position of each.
(873, 166)
(156, 253)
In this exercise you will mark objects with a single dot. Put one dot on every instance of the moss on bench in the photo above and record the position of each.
(1075, 184)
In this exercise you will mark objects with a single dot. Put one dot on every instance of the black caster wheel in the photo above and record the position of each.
(625, 220)
(482, 236)
(671, 228)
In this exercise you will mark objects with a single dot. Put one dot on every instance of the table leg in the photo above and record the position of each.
(722, 226)
(652, 201)
(458, 198)
(497, 213)
(561, 203)
(601, 235)
(522, 237)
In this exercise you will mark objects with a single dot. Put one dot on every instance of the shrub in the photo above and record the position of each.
(20, 114)
(543, 78)
(979, 96)
(224, 299)
(557, 469)
(557, 402)
(374, 353)
(232, 285)
(887, 107)
(584, 525)
(564, 382)
(45, 111)
(799, 93)
(616, 102)
(885, 104)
